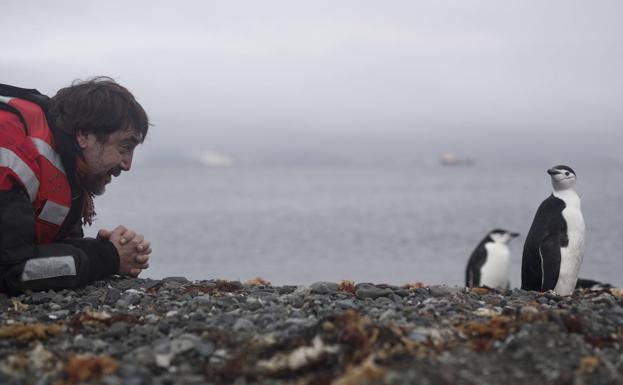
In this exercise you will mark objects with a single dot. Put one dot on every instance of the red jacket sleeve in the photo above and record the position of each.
(28, 266)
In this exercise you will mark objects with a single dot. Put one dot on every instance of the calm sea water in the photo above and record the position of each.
(298, 225)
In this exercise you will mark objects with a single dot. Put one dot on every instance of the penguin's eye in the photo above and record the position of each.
(567, 173)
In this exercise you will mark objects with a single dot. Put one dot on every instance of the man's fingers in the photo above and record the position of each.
(103, 234)
(134, 272)
(138, 240)
(140, 259)
(144, 246)
(127, 236)
(117, 233)
(120, 229)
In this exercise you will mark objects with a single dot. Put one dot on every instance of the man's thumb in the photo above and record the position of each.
(103, 234)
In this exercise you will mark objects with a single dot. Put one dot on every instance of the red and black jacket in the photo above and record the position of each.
(41, 240)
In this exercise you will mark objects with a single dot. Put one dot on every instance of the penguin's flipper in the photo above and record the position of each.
(549, 252)
(469, 278)
(531, 276)
(476, 261)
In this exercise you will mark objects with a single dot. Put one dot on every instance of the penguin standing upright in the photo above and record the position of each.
(554, 247)
(488, 265)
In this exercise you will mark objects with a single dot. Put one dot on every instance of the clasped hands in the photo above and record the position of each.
(133, 249)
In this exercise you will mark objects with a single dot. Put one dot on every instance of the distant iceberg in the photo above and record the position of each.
(214, 159)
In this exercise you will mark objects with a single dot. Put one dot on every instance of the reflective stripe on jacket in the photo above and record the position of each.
(28, 159)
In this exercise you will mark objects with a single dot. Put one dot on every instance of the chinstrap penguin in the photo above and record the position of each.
(554, 247)
(489, 263)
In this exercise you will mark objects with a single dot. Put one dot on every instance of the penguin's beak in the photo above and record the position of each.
(553, 171)
(514, 235)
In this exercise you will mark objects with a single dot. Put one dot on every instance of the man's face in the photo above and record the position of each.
(105, 159)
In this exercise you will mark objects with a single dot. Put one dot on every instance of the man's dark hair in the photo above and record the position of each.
(99, 106)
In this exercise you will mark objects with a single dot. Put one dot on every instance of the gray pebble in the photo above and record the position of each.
(205, 349)
(118, 330)
(443, 290)
(243, 324)
(371, 291)
(323, 287)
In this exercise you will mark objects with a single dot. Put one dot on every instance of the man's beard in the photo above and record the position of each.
(95, 184)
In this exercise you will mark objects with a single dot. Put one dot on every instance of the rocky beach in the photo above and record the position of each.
(174, 331)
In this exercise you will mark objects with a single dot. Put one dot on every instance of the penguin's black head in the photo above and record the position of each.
(563, 177)
(502, 236)
(561, 169)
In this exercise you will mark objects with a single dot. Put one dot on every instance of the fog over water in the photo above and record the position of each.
(343, 85)
(279, 78)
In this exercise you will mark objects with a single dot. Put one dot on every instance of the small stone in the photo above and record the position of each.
(346, 304)
(152, 318)
(203, 300)
(487, 312)
(443, 290)
(365, 290)
(285, 289)
(83, 343)
(134, 375)
(508, 310)
(164, 360)
(303, 322)
(127, 283)
(528, 311)
(243, 324)
(323, 287)
(112, 296)
(423, 334)
(205, 349)
(143, 356)
(181, 345)
(253, 303)
(175, 279)
(118, 330)
(99, 345)
(236, 285)
(58, 298)
(388, 315)
(60, 314)
(196, 327)
(122, 304)
(111, 380)
(149, 284)
(41, 297)
(383, 301)
(543, 300)
(302, 291)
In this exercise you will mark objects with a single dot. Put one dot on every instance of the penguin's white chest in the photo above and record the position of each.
(571, 256)
(494, 273)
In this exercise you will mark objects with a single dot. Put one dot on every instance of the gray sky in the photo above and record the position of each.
(295, 77)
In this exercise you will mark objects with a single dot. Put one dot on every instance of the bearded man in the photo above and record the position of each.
(56, 154)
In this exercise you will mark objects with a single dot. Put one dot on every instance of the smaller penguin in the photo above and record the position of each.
(489, 263)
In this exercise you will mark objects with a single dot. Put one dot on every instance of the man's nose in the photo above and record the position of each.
(126, 162)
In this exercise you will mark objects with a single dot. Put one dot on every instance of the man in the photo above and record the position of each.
(56, 154)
